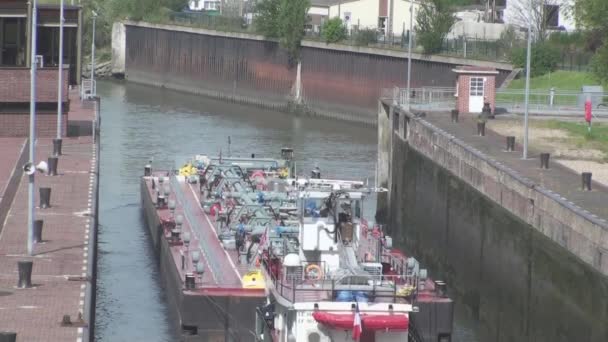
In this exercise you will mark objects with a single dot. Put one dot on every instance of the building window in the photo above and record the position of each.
(476, 86)
(551, 15)
(211, 5)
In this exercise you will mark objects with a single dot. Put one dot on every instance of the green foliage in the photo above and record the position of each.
(364, 37)
(592, 14)
(293, 17)
(285, 20)
(560, 79)
(267, 18)
(544, 58)
(334, 30)
(599, 64)
(434, 20)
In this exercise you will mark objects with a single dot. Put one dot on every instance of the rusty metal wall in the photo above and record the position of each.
(338, 84)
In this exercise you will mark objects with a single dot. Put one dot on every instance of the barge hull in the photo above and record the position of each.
(198, 315)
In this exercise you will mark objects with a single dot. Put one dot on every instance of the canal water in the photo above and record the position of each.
(140, 123)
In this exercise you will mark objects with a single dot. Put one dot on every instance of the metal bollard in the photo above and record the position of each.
(454, 114)
(190, 284)
(481, 129)
(38, 230)
(53, 161)
(510, 143)
(441, 288)
(25, 274)
(148, 170)
(45, 198)
(57, 147)
(544, 160)
(6, 336)
(586, 180)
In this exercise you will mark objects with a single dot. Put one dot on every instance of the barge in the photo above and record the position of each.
(250, 252)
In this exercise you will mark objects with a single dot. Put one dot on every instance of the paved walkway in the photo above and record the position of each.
(61, 260)
(557, 178)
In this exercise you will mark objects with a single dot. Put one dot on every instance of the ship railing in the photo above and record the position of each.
(372, 288)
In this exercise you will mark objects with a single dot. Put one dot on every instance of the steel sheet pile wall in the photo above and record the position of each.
(235, 69)
(336, 81)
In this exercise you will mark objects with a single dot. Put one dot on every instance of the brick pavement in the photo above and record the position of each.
(61, 260)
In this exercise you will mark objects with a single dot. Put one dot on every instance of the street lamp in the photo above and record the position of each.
(32, 142)
(409, 55)
(93, 90)
(527, 94)
(57, 142)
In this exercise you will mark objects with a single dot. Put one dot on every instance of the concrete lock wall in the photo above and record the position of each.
(526, 267)
(337, 81)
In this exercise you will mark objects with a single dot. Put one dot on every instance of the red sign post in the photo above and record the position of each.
(588, 113)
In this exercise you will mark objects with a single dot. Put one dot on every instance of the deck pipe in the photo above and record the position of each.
(586, 177)
(25, 273)
(45, 198)
(510, 143)
(38, 231)
(57, 147)
(7, 336)
(544, 161)
(52, 162)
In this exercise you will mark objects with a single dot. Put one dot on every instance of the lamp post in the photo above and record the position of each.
(527, 93)
(409, 55)
(32, 142)
(93, 90)
(57, 143)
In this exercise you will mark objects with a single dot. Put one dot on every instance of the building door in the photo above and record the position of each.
(476, 94)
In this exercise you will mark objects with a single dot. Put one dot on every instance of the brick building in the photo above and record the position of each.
(15, 47)
(475, 86)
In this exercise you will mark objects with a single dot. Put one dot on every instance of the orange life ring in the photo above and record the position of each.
(315, 271)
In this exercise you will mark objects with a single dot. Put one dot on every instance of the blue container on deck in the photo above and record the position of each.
(361, 297)
(344, 296)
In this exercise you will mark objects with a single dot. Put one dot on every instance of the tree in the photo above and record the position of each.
(333, 30)
(544, 58)
(434, 20)
(536, 13)
(285, 20)
(292, 19)
(266, 21)
(592, 14)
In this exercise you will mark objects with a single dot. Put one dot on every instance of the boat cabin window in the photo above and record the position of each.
(315, 207)
(349, 208)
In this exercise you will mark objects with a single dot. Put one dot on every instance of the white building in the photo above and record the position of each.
(556, 13)
(374, 14)
(206, 5)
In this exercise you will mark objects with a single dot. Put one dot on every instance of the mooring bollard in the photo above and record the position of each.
(6, 336)
(53, 161)
(148, 170)
(57, 147)
(441, 288)
(454, 115)
(38, 231)
(25, 273)
(190, 284)
(586, 180)
(544, 160)
(481, 129)
(510, 143)
(45, 198)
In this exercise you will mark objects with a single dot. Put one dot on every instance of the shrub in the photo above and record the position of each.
(364, 37)
(333, 30)
(544, 59)
(599, 63)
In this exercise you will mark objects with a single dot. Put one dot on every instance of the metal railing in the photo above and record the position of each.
(547, 102)
(88, 89)
(296, 286)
